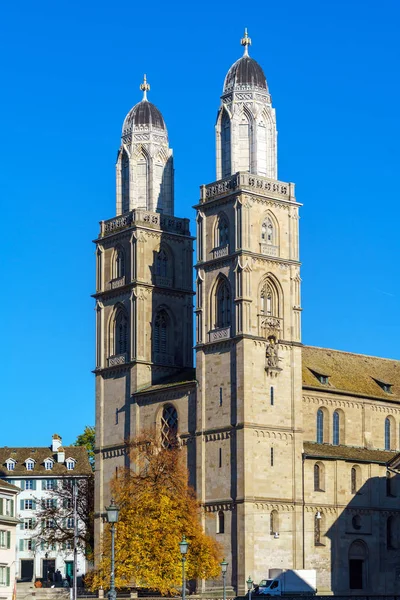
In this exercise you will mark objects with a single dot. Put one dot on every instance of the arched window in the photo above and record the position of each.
(226, 145)
(320, 426)
(162, 263)
(336, 428)
(121, 333)
(243, 154)
(387, 433)
(160, 333)
(268, 232)
(169, 427)
(119, 263)
(391, 537)
(269, 300)
(223, 304)
(355, 479)
(274, 522)
(390, 491)
(356, 522)
(222, 231)
(125, 182)
(221, 522)
(319, 477)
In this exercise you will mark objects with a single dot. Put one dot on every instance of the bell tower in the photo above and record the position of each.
(248, 344)
(144, 296)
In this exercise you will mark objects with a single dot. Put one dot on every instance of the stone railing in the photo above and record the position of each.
(268, 249)
(223, 333)
(143, 217)
(117, 359)
(262, 186)
(162, 281)
(222, 251)
(117, 282)
(162, 358)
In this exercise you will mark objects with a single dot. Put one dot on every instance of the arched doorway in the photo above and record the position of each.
(358, 565)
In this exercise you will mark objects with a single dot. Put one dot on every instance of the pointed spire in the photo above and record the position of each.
(246, 42)
(145, 87)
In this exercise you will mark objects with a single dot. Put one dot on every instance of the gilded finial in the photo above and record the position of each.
(145, 87)
(246, 42)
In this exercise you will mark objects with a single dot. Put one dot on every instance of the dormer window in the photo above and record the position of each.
(10, 464)
(30, 464)
(324, 379)
(48, 464)
(70, 462)
(387, 387)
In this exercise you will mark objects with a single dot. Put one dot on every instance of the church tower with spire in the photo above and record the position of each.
(144, 298)
(248, 346)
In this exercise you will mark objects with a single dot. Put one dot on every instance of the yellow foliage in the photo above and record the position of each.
(157, 507)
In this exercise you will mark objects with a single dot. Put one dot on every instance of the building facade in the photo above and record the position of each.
(287, 446)
(36, 473)
(8, 526)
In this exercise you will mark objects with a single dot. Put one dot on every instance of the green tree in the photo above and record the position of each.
(88, 440)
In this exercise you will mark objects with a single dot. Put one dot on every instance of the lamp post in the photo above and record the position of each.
(224, 566)
(249, 586)
(183, 546)
(112, 518)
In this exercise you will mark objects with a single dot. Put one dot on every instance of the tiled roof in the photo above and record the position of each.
(184, 377)
(4, 485)
(352, 373)
(314, 450)
(79, 453)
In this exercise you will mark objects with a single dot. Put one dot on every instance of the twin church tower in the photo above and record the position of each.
(238, 414)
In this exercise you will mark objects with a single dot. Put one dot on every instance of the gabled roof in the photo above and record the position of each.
(8, 487)
(353, 453)
(351, 373)
(78, 453)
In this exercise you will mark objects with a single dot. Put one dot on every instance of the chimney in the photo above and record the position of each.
(55, 442)
(60, 454)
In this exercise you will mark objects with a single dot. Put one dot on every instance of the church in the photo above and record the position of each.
(292, 449)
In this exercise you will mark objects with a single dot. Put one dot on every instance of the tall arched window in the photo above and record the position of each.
(336, 428)
(268, 232)
(226, 145)
(355, 479)
(274, 522)
(223, 304)
(221, 522)
(269, 300)
(121, 333)
(243, 161)
(125, 177)
(319, 477)
(169, 427)
(119, 263)
(160, 332)
(162, 263)
(387, 433)
(222, 231)
(320, 426)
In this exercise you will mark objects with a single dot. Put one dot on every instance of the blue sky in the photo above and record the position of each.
(70, 72)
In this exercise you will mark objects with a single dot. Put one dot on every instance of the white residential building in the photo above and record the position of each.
(37, 472)
(8, 527)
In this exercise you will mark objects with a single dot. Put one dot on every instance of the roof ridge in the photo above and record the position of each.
(352, 353)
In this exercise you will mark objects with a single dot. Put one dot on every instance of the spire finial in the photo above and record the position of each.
(246, 42)
(145, 87)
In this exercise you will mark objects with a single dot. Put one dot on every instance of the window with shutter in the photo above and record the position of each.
(8, 540)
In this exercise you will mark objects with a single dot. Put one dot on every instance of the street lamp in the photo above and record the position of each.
(183, 547)
(224, 566)
(112, 518)
(249, 586)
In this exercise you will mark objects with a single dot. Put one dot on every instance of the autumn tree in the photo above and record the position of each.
(157, 507)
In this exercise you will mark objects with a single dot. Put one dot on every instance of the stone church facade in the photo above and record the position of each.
(291, 449)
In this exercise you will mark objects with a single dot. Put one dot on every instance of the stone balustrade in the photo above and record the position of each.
(117, 359)
(145, 218)
(222, 333)
(262, 186)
